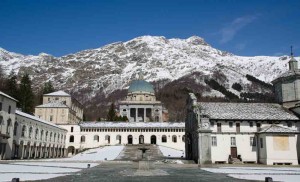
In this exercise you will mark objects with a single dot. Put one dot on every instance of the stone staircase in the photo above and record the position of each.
(134, 153)
(235, 161)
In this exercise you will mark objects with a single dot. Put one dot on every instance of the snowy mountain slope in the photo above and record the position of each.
(113, 66)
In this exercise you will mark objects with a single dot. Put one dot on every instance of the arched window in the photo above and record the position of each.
(36, 133)
(58, 137)
(30, 132)
(46, 137)
(54, 137)
(96, 138)
(50, 137)
(174, 138)
(164, 139)
(23, 131)
(82, 139)
(71, 140)
(16, 128)
(8, 126)
(42, 133)
(107, 139)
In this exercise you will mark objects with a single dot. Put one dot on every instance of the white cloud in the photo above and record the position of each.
(229, 31)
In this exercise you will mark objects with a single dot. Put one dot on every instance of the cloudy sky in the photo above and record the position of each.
(60, 27)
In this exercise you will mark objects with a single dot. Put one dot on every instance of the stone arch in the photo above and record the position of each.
(153, 139)
(164, 139)
(82, 139)
(129, 139)
(96, 138)
(141, 139)
(107, 139)
(174, 139)
(119, 139)
(71, 150)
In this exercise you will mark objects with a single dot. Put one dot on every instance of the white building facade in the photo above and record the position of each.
(241, 133)
(25, 136)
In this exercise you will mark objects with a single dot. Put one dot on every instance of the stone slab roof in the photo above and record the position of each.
(53, 105)
(37, 119)
(115, 124)
(245, 111)
(58, 93)
(277, 129)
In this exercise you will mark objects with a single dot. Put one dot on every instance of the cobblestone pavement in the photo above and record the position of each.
(107, 172)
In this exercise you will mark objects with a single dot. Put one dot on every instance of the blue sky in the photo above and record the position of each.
(60, 27)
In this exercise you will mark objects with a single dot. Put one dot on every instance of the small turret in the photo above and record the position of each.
(293, 63)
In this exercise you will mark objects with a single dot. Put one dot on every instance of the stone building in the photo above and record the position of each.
(140, 104)
(24, 136)
(7, 120)
(241, 133)
(247, 132)
(60, 108)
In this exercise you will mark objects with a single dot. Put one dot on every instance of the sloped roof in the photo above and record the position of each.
(37, 119)
(5, 95)
(58, 93)
(116, 124)
(245, 111)
(277, 129)
(53, 105)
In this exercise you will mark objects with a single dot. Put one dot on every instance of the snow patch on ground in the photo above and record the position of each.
(287, 174)
(170, 152)
(51, 168)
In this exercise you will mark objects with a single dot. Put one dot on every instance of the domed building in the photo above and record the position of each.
(140, 104)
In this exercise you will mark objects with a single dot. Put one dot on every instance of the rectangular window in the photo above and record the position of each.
(51, 118)
(238, 127)
(258, 126)
(213, 141)
(251, 124)
(219, 127)
(289, 124)
(261, 143)
(0, 106)
(72, 128)
(232, 141)
(252, 141)
(230, 124)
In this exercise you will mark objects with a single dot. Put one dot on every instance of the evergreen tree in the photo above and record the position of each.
(12, 86)
(26, 99)
(111, 116)
(48, 88)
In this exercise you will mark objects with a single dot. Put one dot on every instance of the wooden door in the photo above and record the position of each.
(233, 152)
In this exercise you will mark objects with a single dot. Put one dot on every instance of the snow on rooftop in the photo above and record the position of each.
(132, 124)
(53, 104)
(37, 119)
(277, 129)
(5, 95)
(245, 111)
(58, 93)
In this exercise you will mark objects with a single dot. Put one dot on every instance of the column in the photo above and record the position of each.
(22, 151)
(35, 152)
(136, 114)
(145, 114)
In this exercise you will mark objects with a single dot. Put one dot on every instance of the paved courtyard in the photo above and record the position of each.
(159, 172)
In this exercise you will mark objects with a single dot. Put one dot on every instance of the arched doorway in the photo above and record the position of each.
(141, 139)
(153, 139)
(129, 139)
(71, 150)
(119, 139)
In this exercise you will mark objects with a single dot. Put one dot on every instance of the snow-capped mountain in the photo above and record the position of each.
(113, 66)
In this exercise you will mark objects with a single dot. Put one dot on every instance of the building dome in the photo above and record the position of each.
(140, 86)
